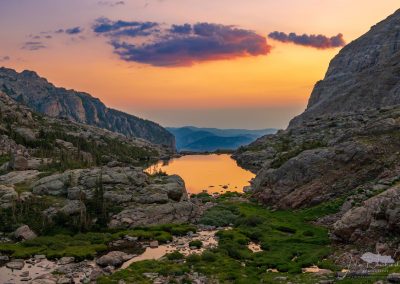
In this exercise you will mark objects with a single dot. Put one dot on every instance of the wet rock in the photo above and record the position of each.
(24, 233)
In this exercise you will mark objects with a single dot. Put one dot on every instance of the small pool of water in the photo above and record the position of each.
(212, 173)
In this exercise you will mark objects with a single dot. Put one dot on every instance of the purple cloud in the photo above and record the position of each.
(73, 31)
(33, 45)
(180, 45)
(316, 41)
(118, 28)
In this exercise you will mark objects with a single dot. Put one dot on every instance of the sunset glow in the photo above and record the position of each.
(237, 83)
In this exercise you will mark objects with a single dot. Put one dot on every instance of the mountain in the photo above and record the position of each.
(62, 174)
(190, 138)
(40, 95)
(364, 75)
(343, 151)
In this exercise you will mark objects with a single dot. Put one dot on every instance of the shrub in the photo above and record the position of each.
(196, 243)
(208, 256)
(193, 258)
(176, 255)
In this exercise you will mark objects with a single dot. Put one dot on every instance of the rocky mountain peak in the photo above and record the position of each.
(38, 94)
(364, 75)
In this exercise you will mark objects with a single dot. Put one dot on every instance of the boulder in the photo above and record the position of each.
(393, 278)
(16, 177)
(24, 233)
(113, 258)
(16, 264)
(8, 196)
(66, 260)
(153, 244)
(73, 207)
(18, 163)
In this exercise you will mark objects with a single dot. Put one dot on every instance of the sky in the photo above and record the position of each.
(227, 63)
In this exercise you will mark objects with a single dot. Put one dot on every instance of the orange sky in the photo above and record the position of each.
(250, 92)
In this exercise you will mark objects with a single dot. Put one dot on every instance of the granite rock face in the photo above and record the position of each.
(67, 171)
(364, 75)
(43, 97)
(143, 200)
(345, 146)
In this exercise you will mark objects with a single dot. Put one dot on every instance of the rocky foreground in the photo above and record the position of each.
(344, 147)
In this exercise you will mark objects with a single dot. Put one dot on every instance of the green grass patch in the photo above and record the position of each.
(289, 242)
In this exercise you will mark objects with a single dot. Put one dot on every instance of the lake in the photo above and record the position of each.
(213, 173)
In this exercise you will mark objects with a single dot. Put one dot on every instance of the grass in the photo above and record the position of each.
(87, 245)
(81, 246)
(288, 239)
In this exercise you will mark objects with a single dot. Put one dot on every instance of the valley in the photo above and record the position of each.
(89, 194)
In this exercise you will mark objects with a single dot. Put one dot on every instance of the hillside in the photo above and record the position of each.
(43, 97)
(364, 75)
(344, 147)
(68, 174)
(197, 139)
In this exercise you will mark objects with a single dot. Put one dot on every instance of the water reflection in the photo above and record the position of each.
(213, 173)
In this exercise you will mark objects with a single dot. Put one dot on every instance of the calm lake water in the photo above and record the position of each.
(213, 173)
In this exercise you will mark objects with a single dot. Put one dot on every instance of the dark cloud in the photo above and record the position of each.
(74, 30)
(180, 45)
(317, 41)
(121, 28)
(33, 45)
(111, 3)
(181, 29)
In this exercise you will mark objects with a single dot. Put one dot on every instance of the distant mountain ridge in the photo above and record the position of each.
(190, 138)
(37, 93)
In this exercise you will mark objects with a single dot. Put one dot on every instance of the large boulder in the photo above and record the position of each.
(376, 217)
(24, 233)
(8, 196)
(154, 214)
(113, 258)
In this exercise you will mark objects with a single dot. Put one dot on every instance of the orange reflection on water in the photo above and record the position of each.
(213, 173)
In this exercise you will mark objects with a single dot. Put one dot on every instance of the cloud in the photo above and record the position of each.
(181, 29)
(111, 3)
(33, 45)
(316, 41)
(120, 28)
(4, 58)
(73, 31)
(179, 45)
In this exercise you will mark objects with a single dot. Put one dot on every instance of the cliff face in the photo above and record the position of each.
(40, 95)
(345, 147)
(364, 75)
